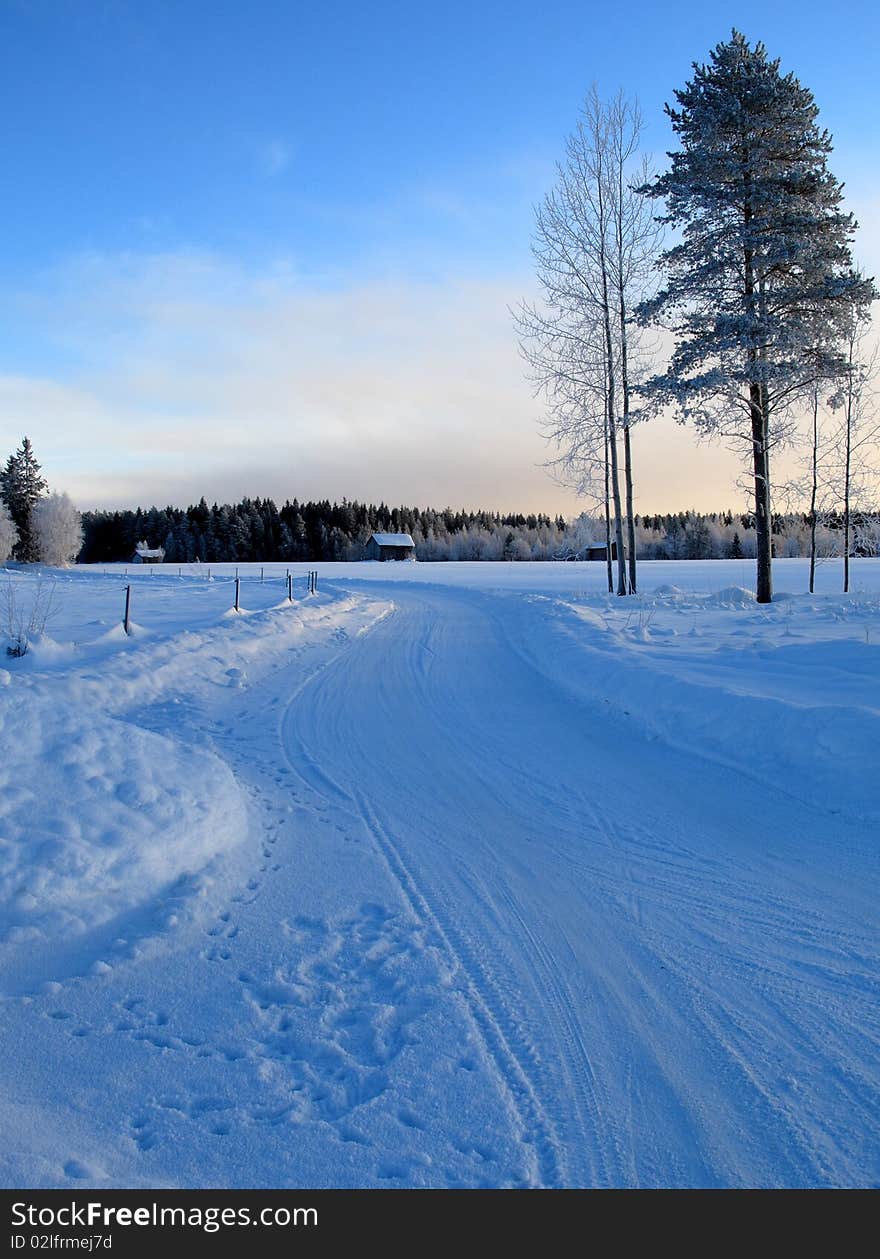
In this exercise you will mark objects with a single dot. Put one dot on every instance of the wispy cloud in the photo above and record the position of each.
(208, 377)
(186, 373)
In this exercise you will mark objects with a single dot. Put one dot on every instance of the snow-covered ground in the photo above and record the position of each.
(448, 875)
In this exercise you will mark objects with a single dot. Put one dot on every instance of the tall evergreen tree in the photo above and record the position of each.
(21, 488)
(760, 286)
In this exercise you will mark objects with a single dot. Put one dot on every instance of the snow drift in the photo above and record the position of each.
(98, 815)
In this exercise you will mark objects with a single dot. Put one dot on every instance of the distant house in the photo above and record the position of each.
(390, 546)
(144, 554)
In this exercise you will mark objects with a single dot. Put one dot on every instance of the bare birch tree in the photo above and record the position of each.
(636, 238)
(859, 430)
(594, 242)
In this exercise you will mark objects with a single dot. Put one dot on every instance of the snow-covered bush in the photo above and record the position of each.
(8, 534)
(58, 529)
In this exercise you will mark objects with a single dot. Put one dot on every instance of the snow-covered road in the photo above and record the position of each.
(487, 927)
(655, 953)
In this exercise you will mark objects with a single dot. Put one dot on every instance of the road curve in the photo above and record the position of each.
(651, 949)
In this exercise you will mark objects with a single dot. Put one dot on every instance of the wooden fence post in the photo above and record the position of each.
(127, 622)
(237, 589)
(289, 588)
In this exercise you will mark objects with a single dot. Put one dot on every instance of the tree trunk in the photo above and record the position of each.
(759, 413)
(630, 517)
(612, 437)
(847, 477)
(624, 389)
(610, 394)
(761, 465)
(608, 567)
(815, 487)
(618, 514)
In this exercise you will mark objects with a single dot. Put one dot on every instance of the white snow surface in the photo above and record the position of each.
(448, 875)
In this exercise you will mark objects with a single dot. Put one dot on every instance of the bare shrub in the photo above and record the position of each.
(24, 618)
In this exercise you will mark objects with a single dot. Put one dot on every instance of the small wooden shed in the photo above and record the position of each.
(390, 546)
(599, 551)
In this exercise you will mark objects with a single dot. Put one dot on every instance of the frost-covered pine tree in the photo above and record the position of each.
(761, 283)
(8, 533)
(21, 488)
(57, 529)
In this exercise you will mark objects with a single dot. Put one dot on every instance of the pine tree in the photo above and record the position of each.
(21, 488)
(759, 287)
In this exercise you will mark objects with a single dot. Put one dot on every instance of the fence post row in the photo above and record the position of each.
(313, 588)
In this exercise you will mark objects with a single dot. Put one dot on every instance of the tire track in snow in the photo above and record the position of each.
(502, 1048)
(576, 1060)
(487, 1011)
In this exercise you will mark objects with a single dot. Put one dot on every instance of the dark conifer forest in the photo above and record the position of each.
(257, 529)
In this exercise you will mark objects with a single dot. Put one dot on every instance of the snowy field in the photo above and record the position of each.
(447, 875)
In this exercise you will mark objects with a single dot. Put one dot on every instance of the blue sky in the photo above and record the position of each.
(269, 248)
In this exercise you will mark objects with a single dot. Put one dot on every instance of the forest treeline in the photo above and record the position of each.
(257, 529)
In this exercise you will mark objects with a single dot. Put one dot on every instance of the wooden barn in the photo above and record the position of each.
(144, 554)
(599, 551)
(390, 546)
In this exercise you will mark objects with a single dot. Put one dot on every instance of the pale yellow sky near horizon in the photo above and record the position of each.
(195, 375)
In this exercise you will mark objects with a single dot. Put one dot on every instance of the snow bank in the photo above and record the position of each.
(789, 695)
(731, 597)
(112, 807)
(98, 815)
